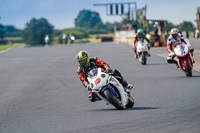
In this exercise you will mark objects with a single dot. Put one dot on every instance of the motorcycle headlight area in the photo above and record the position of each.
(103, 75)
(92, 85)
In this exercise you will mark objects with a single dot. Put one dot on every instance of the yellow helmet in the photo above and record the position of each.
(83, 58)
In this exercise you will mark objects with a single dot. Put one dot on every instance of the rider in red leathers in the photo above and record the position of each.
(173, 40)
(86, 64)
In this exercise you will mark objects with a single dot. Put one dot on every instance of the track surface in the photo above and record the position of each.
(40, 92)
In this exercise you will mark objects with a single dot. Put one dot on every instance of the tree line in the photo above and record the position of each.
(87, 22)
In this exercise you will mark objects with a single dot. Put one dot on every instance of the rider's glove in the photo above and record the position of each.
(134, 49)
(89, 88)
(109, 71)
(191, 49)
(172, 53)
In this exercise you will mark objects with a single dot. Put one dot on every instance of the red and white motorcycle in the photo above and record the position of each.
(184, 58)
(109, 89)
(142, 51)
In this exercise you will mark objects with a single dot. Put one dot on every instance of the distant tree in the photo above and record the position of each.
(170, 26)
(56, 32)
(11, 28)
(100, 28)
(2, 30)
(109, 27)
(11, 31)
(115, 25)
(186, 26)
(36, 29)
(88, 19)
(77, 32)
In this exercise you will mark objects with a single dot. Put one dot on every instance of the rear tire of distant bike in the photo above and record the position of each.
(144, 60)
(113, 99)
(130, 102)
(188, 68)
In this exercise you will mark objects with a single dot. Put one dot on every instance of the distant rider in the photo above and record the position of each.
(173, 40)
(140, 35)
(86, 64)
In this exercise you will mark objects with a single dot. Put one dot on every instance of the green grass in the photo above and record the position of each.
(11, 42)
(7, 46)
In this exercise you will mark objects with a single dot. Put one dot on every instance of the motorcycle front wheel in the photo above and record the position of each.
(144, 60)
(130, 102)
(113, 99)
(188, 68)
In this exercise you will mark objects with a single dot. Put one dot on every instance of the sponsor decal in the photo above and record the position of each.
(112, 79)
(97, 81)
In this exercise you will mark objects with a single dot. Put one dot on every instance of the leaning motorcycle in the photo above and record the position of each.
(109, 89)
(184, 58)
(142, 51)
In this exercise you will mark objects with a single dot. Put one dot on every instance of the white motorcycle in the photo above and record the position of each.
(72, 38)
(142, 51)
(184, 58)
(109, 89)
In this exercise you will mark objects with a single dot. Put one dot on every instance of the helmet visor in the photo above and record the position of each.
(140, 35)
(83, 62)
(174, 36)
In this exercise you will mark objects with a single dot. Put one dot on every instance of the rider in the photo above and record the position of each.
(138, 36)
(174, 39)
(86, 64)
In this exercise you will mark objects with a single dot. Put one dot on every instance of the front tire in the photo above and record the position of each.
(144, 60)
(130, 102)
(188, 68)
(113, 99)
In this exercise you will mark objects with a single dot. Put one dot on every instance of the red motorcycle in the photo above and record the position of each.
(185, 61)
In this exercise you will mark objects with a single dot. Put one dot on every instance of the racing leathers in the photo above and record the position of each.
(96, 63)
(136, 39)
(172, 43)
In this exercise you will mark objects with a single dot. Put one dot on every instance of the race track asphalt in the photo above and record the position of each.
(40, 92)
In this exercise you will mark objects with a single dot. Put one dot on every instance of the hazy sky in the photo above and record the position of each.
(61, 13)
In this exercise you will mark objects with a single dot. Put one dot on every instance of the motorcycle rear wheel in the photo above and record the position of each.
(113, 100)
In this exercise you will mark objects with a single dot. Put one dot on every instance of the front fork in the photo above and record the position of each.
(181, 61)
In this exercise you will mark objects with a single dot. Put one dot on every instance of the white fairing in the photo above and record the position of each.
(47, 39)
(101, 79)
(181, 50)
(142, 46)
(115, 82)
(72, 38)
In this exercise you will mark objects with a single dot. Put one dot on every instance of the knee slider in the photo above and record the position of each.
(92, 97)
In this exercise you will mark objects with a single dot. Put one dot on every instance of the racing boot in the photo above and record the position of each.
(136, 56)
(129, 87)
(149, 54)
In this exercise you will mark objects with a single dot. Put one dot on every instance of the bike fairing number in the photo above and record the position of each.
(182, 52)
(97, 81)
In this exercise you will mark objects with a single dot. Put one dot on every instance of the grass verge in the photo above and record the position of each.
(7, 46)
